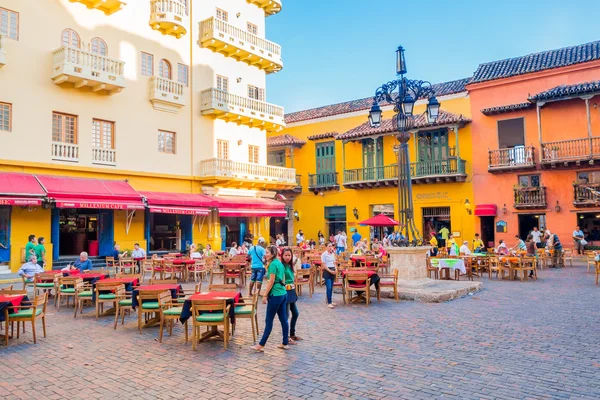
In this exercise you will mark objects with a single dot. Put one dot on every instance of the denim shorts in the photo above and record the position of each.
(258, 274)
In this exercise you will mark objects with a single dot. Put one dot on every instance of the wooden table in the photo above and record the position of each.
(231, 297)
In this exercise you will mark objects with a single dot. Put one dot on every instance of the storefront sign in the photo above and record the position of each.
(179, 211)
(11, 201)
(109, 206)
(433, 196)
(501, 227)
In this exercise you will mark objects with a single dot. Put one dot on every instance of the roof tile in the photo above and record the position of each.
(284, 140)
(326, 135)
(507, 108)
(567, 91)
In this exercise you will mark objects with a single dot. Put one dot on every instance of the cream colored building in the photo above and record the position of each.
(167, 94)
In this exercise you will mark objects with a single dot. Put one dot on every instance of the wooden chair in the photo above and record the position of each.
(163, 281)
(111, 265)
(41, 283)
(157, 268)
(432, 270)
(169, 315)
(231, 273)
(497, 267)
(210, 313)
(597, 265)
(123, 305)
(102, 298)
(127, 265)
(28, 313)
(197, 270)
(214, 272)
(183, 294)
(248, 310)
(528, 264)
(84, 293)
(146, 308)
(389, 281)
(68, 287)
(223, 288)
(356, 281)
(590, 260)
(384, 264)
(147, 266)
(567, 257)
(304, 277)
(543, 259)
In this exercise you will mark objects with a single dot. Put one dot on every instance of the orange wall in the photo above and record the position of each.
(563, 120)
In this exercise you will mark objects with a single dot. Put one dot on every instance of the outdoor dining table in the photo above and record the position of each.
(371, 274)
(447, 264)
(8, 301)
(357, 259)
(129, 283)
(232, 298)
(174, 288)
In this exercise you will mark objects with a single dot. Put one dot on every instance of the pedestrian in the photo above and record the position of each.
(299, 238)
(329, 267)
(276, 300)
(444, 232)
(356, 237)
(321, 238)
(578, 236)
(40, 252)
(248, 238)
(257, 253)
(30, 247)
(536, 237)
(554, 244)
(291, 265)
(340, 241)
(434, 245)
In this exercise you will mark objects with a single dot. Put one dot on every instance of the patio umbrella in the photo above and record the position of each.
(379, 220)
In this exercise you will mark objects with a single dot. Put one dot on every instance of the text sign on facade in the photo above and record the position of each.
(433, 196)
(501, 226)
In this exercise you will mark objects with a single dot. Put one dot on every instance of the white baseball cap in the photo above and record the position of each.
(261, 240)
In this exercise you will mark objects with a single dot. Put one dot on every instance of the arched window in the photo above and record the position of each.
(70, 38)
(164, 69)
(99, 47)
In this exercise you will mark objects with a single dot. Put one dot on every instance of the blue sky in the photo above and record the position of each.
(336, 50)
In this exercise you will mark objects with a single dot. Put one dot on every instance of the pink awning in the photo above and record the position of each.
(230, 206)
(180, 210)
(179, 203)
(486, 210)
(20, 190)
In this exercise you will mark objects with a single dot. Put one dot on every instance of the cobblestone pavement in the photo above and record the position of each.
(531, 340)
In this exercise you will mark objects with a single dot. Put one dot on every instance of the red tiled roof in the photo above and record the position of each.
(325, 135)
(284, 140)
(387, 126)
(441, 89)
(506, 109)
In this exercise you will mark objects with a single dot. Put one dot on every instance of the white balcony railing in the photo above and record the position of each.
(225, 38)
(2, 54)
(104, 156)
(166, 95)
(168, 17)
(87, 69)
(247, 111)
(65, 151)
(217, 167)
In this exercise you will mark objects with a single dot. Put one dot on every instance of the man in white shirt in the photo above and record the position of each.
(299, 238)
(537, 236)
(578, 237)
(329, 267)
(464, 249)
(340, 242)
(138, 252)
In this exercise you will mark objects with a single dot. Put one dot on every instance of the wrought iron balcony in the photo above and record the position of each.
(222, 171)
(85, 69)
(2, 54)
(449, 170)
(270, 6)
(568, 152)
(168, 17)
(106, 6)
(584, 196)
(241, 110)
(166, 95)
(222, 37)
(511, 159)
(530, 197)
(323, 181)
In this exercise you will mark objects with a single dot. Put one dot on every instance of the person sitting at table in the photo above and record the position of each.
(451, 242)
(208, 251)
(359, 248)
(138, 252)
(234, 250)
(520, 246)
(117, 253)
(329, 267)
(434, 244)
(83, 264)
(478, 244)
(243, 249)
(454, 250)
(502, 250)
(194, 253)
(30, 268)
(464, 249)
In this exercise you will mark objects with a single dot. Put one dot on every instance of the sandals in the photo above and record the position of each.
(283, 346)
(296, 338)
(258, 349)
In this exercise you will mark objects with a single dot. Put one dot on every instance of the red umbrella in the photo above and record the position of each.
(379, 220)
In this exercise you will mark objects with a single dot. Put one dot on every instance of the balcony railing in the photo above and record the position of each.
(2, 54)
(583, 194)
(222, 37)
(65, 151)
(510, 159)
(87, 70)
(574, 150)
(270, 6)
(166, 95)
(106, 6)
(168, 17)
(242, 110)
(530, 197)
(323, 181)
(221, 168)
(104, 156)
(451, 169)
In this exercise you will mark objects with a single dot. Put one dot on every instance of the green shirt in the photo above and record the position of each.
(40, 251)
(29, 250)
(444, 232)
(289, 275)
(276, 268)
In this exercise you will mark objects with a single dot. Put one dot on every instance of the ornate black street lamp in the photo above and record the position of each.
(409, 91)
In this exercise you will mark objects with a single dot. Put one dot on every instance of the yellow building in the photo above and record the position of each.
(168, 97)
(348, 170)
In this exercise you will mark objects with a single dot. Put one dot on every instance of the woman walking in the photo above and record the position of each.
(291, 265)
(277, 299)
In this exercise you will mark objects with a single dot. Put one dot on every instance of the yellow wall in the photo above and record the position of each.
(136, 230)
(311, 206)
(24, 223)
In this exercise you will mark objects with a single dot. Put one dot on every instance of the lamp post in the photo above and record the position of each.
(408, 92)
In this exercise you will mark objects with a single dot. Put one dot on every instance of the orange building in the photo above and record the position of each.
(536, 144)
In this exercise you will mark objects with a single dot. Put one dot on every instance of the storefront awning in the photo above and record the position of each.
(20, 190)
(68, 192)
(486, 210)
(179, 203)
(230, 206)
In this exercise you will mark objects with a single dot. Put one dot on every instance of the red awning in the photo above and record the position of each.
(230, 206)
(20, 190)
(68, 192)
(379, 220)
(486, 210)
(179, 203)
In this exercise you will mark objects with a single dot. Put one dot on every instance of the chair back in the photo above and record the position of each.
(110, 262)
(7, 291)
(150, 295)
(222, 288)
(358, 276)
(199, 306)
(106, 286)
(40, 302)
(164, 299)
(163, 281)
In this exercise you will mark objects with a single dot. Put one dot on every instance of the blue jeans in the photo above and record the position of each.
(340, 250)
(276, 305)
(329, 291)
(293, 309)
(258, 274)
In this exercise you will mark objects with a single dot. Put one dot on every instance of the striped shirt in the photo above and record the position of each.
(556, 242)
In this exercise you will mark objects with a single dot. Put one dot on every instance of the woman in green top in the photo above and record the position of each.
(277, 299)
(290, 264)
